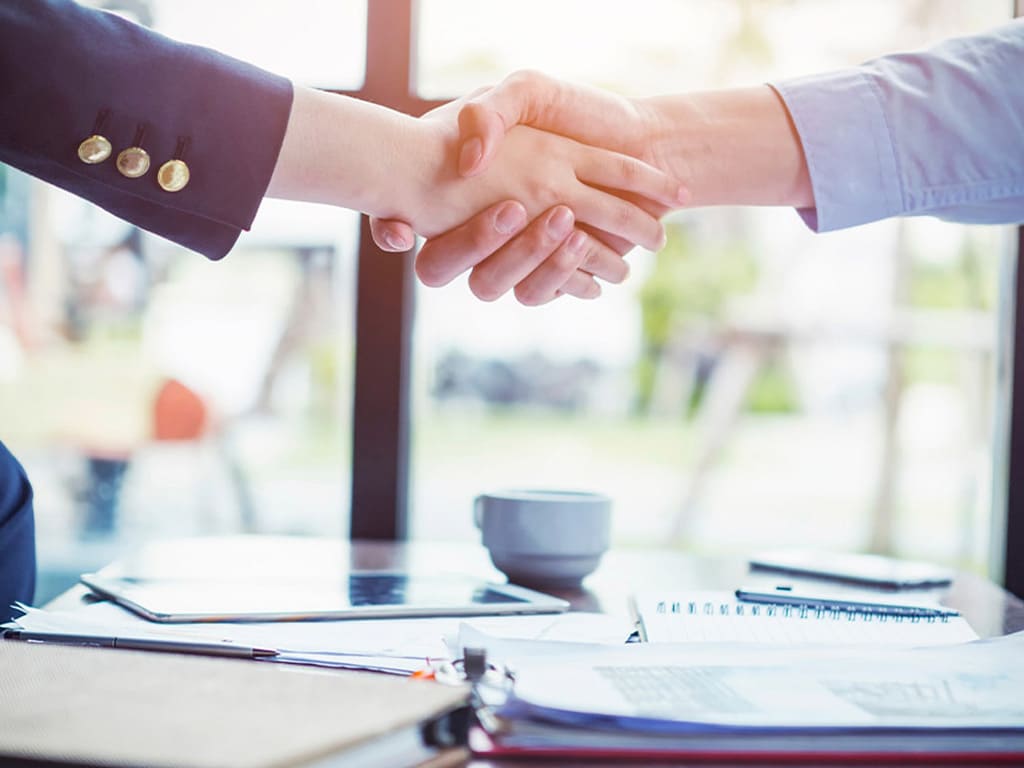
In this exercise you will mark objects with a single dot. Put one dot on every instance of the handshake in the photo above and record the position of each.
(538, 185)
(542, 186)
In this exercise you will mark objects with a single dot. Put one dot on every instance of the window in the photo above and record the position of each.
(752, 385)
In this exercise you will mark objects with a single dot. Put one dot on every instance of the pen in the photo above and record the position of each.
(786, 595)
(143, 644)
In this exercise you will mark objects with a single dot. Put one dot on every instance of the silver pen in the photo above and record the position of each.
(811, 598)
(143, 644)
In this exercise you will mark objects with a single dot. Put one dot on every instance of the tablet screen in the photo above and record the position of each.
(354, 595)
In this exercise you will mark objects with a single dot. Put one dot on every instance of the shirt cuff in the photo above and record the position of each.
(848, 146)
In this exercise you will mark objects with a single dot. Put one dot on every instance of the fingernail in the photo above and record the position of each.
(594, 290)
(683, 194)
(396, 243)
(560, 222)
(577, 240)
(510, 218)
(470, 155)
(662, 239)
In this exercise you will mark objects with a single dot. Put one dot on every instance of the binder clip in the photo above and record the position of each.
(486, 681)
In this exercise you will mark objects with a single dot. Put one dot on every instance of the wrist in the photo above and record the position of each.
(732, 147)
(420, 164)
(354, 154)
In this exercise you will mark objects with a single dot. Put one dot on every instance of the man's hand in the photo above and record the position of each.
(548, 258)
(586, 114)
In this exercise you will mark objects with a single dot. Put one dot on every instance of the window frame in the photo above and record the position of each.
(379, 507)
(1008, 479)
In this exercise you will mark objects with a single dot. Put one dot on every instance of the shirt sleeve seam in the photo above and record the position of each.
(1012, 185)
(880, 103)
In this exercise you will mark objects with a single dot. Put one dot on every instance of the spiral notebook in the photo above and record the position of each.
(718, 617)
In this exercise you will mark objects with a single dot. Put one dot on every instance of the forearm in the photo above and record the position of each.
(354, 154)
(732, 147)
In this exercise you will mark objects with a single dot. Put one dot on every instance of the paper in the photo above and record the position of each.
(714, 617)
(400, 646)
(686, 687)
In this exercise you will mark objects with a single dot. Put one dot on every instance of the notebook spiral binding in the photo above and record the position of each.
(694, 608)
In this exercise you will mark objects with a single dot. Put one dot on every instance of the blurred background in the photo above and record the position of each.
(751, 385)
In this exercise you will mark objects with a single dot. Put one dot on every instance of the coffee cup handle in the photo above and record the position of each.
(478, 512)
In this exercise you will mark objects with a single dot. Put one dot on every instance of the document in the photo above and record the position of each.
(744, 701)
(397, 646)
(684, 687)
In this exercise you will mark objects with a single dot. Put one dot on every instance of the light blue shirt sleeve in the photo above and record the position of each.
(937, 133)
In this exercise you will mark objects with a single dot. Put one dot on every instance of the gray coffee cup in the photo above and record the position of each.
(544, 538)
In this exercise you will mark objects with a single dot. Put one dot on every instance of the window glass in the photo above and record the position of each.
(152, 393)
(319, 43)
(753, 384)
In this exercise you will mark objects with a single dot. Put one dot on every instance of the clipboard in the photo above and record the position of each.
(93, 706)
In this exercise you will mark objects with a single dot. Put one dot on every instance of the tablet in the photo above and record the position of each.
(357, 595)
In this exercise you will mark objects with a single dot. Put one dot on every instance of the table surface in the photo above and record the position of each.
(988, 608)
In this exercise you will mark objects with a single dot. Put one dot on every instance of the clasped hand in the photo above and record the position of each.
(586, 206)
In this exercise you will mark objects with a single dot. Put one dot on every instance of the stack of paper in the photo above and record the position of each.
(745, 700)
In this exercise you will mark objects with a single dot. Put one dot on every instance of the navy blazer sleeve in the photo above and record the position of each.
(17, 536)
(61, 65)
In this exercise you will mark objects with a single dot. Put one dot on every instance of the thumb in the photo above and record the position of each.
(486, 117)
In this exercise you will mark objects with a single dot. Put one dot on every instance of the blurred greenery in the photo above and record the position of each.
(684, 298)
(967, 282)
(325, 378)
(772, 390)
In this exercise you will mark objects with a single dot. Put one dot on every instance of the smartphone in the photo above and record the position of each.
(873, 570)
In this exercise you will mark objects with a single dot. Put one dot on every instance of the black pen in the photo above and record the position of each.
(143, 644)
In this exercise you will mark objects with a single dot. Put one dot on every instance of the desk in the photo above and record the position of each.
(989, 609)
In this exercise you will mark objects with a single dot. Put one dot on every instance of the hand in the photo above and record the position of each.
(545, 159)
(538, 169)
(586, 114)
(554, 264)
(730, 147)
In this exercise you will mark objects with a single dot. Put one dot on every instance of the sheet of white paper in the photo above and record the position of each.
(693, 686)
(395, 644)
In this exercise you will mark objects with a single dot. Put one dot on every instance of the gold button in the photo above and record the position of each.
(173, 176)
(94, 149)
(133, 162)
